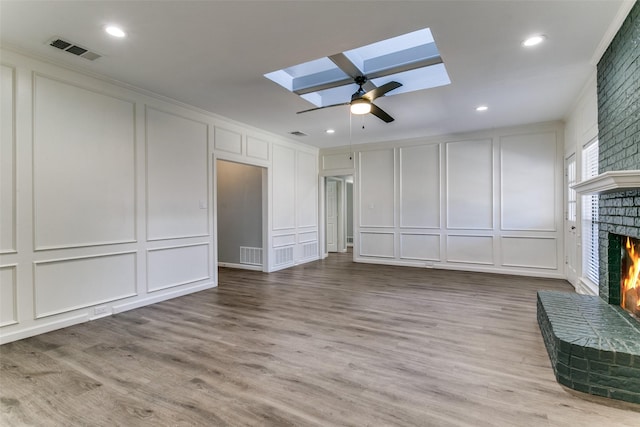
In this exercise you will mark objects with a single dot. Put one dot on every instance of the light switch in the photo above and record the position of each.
(203, 204)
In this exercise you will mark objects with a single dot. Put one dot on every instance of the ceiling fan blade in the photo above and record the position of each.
(320, 108)
(381, 114)
(350, 69)
(380, 91)
(345, 64)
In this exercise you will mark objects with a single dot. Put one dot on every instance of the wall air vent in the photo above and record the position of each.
(298, 133)
(73, 48)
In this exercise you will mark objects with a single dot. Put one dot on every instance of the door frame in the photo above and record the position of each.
(266, 229)
(322, 221)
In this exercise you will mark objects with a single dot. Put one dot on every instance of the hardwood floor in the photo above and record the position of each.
(327, 343)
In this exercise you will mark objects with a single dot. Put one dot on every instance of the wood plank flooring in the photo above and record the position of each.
(322, 344)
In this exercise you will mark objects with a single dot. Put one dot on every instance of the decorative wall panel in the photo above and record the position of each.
(420, 186)
(377, 245)
(528, 181)
(306, 188)
(175, 266)
(8, 295)
(531, 252)
(308, 236)
(470, 249)
(257, 148)
(284, 240)
(284, 196)
(83, 166)
(377, 188)
(7, 161)
(68, 284)
(470, 184)
(337, 161)
(227, 140)
(177, 183)
(425, 247)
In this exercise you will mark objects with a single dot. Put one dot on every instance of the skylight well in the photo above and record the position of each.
(411, 59)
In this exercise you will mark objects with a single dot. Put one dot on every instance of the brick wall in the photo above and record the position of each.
(619, 138)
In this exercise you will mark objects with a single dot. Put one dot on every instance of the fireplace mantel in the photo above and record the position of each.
(609, 182)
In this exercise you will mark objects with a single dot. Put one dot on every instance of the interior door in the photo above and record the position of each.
(332, 216)
(571, 238)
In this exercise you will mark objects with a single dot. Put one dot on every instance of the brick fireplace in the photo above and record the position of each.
(619, 135)
(593, 344)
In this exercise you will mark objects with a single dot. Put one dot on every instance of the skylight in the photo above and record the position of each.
(411, 59)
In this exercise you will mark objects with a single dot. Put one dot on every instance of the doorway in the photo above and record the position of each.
(241, 215)
(338, 213)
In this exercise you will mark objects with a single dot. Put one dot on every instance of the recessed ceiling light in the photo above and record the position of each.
(533, 40)
(482, 108)
(114, 31)
(330, 131)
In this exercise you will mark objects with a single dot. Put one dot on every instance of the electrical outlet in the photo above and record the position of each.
(103, 309)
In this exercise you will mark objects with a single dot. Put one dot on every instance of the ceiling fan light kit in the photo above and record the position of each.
(360, 106)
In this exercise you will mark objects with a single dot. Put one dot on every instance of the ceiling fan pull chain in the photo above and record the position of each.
(350, 137)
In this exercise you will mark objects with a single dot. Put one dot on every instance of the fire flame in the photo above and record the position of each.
(631, 282)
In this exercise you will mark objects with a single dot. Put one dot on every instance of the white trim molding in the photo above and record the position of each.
(609, 182)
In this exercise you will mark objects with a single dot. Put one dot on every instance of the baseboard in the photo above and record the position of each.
(86, 317)
(240, 266)
(584, 289)
(163, 297)
(465, 267)
(41, 329)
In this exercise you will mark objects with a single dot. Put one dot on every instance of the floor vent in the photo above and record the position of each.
(252, 256)
(284, 255)
(73, 48)
(310, 249)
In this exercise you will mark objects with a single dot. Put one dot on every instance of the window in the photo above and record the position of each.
(590, 256)
(412, 59)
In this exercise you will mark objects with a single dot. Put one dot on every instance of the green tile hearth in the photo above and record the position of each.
(594, 347)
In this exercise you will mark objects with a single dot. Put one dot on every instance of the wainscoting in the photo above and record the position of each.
(488, 201)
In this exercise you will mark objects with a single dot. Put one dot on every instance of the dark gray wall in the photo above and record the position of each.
(239, 209)
(619, 138)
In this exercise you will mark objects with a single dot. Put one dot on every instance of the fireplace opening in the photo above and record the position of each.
(630, 275)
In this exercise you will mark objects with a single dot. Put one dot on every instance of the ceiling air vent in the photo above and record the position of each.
(73, 48)
(298, 133)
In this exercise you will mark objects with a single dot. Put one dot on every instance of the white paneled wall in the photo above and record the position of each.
(107, 197)
(528, 177)
(295, 206)
(8, 291)
(67, 284)
(469, 184)
(7, 161)
(377, 188)
(177, 265)
(420, 204)
(483, 201)
(83, 166)
(177, 184)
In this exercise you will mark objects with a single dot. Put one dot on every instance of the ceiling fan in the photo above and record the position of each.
(362, 102)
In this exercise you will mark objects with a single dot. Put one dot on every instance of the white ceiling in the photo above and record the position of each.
(213, 55)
